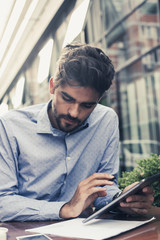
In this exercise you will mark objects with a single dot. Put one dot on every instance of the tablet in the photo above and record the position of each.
(135, 189)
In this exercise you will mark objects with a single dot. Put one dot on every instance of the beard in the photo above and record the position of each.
(66, 127)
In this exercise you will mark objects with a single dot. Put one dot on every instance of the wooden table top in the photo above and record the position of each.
(149, 231)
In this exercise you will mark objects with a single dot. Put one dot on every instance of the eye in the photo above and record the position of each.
(67, 99)
(85, 105)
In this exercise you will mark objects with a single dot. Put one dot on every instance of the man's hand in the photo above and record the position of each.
(87, 191)
(139, 203)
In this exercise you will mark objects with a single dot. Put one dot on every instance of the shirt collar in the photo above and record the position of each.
(43, 122)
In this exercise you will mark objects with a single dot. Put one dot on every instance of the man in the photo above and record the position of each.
(57, 159)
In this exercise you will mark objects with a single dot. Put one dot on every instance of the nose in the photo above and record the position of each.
(74, 110)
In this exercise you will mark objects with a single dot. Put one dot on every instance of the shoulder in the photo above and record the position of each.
(30, 112)
(103, 116)
(104, 111)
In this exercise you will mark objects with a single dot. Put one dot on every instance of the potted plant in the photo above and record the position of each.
(145, 168)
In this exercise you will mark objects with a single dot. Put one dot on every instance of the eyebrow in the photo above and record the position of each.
(73, 99)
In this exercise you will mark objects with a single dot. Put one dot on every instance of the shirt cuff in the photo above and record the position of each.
(50, 210)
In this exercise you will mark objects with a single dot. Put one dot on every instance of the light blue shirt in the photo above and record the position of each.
(41, 167)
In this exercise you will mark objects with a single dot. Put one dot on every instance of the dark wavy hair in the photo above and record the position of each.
(84, 65)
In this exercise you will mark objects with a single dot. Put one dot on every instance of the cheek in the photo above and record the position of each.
(62, 108)
(60, 105)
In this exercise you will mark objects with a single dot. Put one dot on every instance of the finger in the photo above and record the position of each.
(104, 176)
(140, 198)
(134, 211)
(92, 198)
(84, 194)
(85, 187)
(98, 194)
(99, 183)
(96, 190)
(140, 211)
(148, 190)
(138, 205)
(94, 178)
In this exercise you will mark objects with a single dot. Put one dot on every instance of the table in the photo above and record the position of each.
(149, 231)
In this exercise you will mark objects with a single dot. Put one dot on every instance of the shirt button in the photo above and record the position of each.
(68, 158)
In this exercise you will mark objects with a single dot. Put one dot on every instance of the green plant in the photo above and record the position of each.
(145, 168)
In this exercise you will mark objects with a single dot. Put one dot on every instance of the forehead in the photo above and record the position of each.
(79, 93)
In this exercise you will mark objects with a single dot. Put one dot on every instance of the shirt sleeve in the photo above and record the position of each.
(12, 205)
(110, 162)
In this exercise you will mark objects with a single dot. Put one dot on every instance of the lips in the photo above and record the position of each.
(70, 121)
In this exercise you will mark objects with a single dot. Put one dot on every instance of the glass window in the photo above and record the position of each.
(153, 120)
(76, 23)
(157, 96)
(16, 94)
(44, 61)
(143, 115)
(131, 27)
(149, 25)
(132, 108)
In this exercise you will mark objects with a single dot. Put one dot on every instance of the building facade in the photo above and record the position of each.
(129, 33)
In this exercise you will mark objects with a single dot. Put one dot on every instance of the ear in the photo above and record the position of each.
(100, 98)
(52, 86)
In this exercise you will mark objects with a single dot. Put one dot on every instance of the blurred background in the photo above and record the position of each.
(33, 32)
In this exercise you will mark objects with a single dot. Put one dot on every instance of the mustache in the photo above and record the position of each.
(69, 117)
